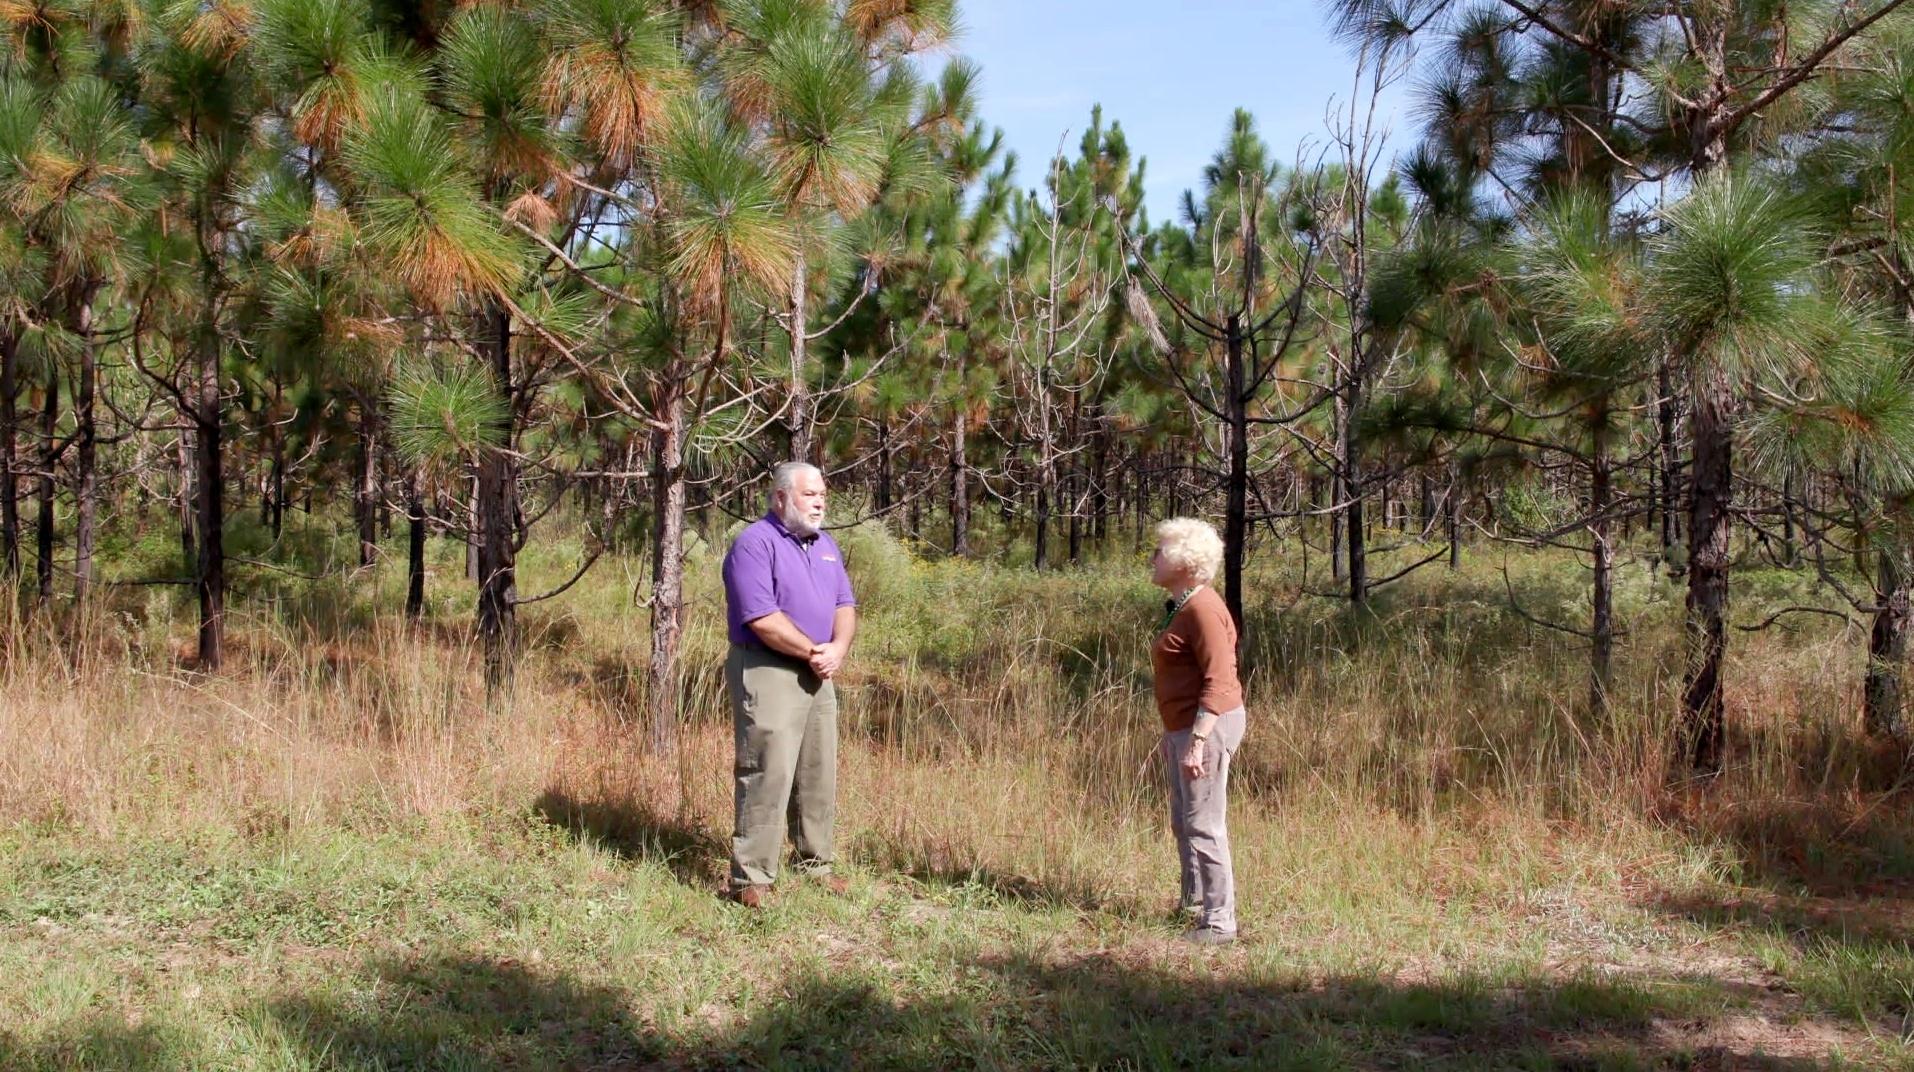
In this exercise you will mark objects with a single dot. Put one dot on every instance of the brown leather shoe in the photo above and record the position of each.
(750, 896)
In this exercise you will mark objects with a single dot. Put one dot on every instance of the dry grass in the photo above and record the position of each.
(998, 721)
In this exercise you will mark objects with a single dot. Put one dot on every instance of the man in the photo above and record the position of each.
(791, 617)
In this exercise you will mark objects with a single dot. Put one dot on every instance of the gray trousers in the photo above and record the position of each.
(784, 718)
(1198, 820)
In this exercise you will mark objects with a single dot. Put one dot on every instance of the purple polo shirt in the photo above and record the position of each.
(769, 569)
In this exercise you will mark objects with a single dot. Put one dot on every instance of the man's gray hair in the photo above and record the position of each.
(784, 477)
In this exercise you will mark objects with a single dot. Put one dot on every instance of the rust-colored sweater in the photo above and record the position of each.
(1195, 662)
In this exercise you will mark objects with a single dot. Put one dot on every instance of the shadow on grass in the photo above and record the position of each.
(695, 855)
(1821, 845)
(101, 1041)
(1020, 889)
(464, 1012)
(459, 1012)
(1822, 896)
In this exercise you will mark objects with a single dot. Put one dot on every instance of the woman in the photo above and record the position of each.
(1201, 703)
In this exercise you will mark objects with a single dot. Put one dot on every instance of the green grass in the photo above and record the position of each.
(421, 949)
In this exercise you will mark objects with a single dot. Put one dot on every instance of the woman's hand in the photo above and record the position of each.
(1193, 759)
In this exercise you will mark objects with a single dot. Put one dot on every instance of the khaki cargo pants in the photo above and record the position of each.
(1199, 819)
(785, 722)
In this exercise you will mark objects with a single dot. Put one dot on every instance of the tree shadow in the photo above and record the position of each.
(100, 1041)
(1822, 844)
(1000, 885)
(1805, 920)
(465, 1012)
(462, 1011)
(697, 856)
(1822, 897)
(613, 684)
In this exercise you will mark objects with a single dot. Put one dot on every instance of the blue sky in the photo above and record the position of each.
(1170, 72)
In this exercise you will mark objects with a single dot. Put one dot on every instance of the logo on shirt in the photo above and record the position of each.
(828, 558)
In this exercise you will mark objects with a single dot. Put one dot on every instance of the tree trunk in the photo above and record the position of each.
(1073, 484)
(415, 549)
(1452, 514)
(1709, 531)
(49, 459)
(1046, 477)
(1236, 510)
(1100, 483)
(188, 501)
(1142, 504)
(366, 487)
(1073, 494)
(1602, 621)
(913, 517)
(86, 496)
(802, 444)
(882, 493)
(1665, 421)
(9, 497)
(379, 497)
(209, 491)
(1046, 470)
(1790, 551)
(472, 526)
(959, 486)
(1883, 700)
(276, 486)
(1354, 529)
(667, 562)
(497, 519)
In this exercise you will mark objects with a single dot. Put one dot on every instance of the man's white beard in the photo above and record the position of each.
(795, 520)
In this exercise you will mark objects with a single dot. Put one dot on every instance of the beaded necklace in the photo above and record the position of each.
(1172, 606)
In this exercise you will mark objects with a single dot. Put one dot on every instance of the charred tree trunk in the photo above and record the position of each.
(1354, 530)
(1452, 516)
(86, 497)
(209, 491)
(1883, 698)
(9, 415)
(414, 549)
(1040, 559)
(1709, 531)
(1236, 509)
(498, 518)
(49, 459)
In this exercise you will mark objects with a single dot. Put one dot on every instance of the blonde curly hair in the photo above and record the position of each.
(1190, 544)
